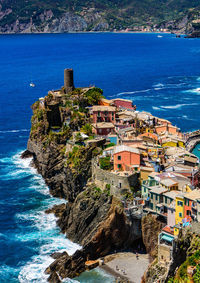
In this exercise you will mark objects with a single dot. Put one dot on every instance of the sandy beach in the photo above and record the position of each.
(126, 266)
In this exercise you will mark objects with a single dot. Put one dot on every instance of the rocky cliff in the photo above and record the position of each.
(93, 218)
(73, 16)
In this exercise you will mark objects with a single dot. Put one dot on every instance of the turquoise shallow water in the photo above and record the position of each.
(160, 75)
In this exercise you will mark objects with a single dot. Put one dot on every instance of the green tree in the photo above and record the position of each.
(87, 129)
(94, 95)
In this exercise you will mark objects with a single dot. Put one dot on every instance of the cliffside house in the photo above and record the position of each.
(124, 103)
(104, 114)
(126, 158)
(103, 128)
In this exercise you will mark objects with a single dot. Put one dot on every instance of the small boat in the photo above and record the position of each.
(32, 85)
(159, 36)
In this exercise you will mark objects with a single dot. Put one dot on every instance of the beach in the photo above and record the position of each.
(126, 266)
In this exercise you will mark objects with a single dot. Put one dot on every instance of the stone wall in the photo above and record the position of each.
(118, 184)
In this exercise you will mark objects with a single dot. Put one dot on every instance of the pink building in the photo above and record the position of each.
(104, 114)
(124, 103)
(103, 128)
(126, 157)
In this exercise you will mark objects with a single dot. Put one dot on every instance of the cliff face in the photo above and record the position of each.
(91, 217)
(97, 222)
(151, 227)
(62, 180)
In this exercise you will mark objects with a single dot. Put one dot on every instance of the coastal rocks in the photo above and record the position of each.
(97, 222)
(63, 181)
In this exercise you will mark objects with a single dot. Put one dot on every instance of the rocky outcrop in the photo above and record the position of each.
(97, 222)
(62, 180)
(151, 227)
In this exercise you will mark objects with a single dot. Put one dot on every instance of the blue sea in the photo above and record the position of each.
(160, 74)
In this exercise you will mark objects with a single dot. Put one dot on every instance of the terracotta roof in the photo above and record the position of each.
(171, 194)
(168, 182)
(158, 190)
(194, 195)
(121, 99)
(168, 230)
(103, 125)
(121, 148)
(103, 108)
(150, 135)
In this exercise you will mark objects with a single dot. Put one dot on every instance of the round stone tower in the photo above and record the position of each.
(68, 80)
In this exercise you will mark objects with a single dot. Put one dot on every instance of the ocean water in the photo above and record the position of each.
(160, 75)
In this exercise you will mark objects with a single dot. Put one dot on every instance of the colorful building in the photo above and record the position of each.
(179, 208)
(190, 205)
(103, 129)
(104, 114)
(124, 103)
(126, 158)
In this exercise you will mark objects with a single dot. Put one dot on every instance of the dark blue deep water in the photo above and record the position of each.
(161, 75)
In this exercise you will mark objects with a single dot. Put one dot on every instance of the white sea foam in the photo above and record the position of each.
(195, 90)
(15, 131)
(157, 108)
(45, 231)
(178, 106)
(132, 92)
(160, 85)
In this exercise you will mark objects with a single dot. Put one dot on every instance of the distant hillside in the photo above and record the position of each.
(20, 16)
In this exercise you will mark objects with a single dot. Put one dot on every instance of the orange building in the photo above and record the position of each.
(172, 130)
(126, 158)
(190, 206)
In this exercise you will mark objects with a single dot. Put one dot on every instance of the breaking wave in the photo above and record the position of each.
(178, 106)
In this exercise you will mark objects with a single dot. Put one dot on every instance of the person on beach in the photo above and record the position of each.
(137, 256)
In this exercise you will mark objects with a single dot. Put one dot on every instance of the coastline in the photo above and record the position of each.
(91, 32)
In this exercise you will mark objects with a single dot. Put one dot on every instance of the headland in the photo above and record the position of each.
(130, 181)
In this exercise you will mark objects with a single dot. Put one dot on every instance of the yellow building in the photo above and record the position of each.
(179, 208)
(173, 143)
(176, 230)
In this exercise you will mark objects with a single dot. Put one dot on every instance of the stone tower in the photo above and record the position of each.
(68, 80)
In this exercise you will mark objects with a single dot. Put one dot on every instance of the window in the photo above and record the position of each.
(180, 214)
(156, 197)
(119, 166)
(151, 196)
(100, 131)
(145, 190)
(99, 113)
(119, 157)
(180, 203)
(187, 202)
(166, 200)
(120, 185)
(188, 212)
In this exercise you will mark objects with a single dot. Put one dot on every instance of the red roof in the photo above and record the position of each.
(168, 230)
